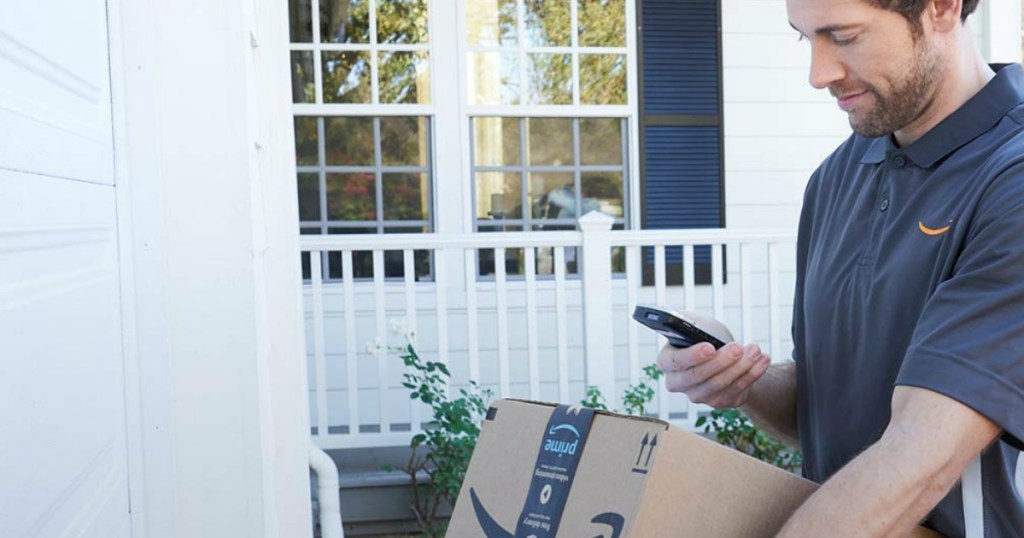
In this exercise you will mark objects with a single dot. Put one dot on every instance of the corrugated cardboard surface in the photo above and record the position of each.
(699, 488)
(502, 463)
(612, 475)
(684, 485)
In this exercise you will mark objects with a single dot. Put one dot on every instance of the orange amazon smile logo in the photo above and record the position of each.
(933, 231)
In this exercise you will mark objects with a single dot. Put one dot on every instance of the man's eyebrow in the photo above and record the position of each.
(827, 29)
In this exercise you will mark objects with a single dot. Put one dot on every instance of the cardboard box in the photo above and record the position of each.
(541, 471)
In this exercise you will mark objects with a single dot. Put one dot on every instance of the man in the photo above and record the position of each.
(908, 328)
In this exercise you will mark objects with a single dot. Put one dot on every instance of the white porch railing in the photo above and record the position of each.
(561, 325)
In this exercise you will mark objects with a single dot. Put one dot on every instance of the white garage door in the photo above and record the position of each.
(63, 468)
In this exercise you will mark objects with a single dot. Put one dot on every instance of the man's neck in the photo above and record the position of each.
(966, 74)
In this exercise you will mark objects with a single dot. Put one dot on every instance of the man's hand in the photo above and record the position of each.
(719, 378)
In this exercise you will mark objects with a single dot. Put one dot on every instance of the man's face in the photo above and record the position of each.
(881, 73)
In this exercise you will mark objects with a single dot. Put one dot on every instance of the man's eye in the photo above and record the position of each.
(842, 42)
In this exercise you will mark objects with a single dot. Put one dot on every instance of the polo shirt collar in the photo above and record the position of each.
(979, 114)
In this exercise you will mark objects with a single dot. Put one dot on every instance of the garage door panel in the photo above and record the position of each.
(62, 455)
(54, 90)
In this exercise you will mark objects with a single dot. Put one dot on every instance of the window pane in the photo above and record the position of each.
(300, 17)
(549, 77)
(405, 197)
(603, 79)
(362, 260)
(491, 22)
(552, 195)
(496, 141)
(303, 84)
(403, 141)
(401, 21)
(500, 228)
(344, 21)
(546, 255)
(602, 191)
(499, 195)
(486, 256)
(404, 77)
(602, 23)
(349, 141)
(346, 77)
(305, 141)
(351, 197)
(600, 141)
(547, 23)
(494, 78)
(550, 141)
(309, 197)
(394, 260)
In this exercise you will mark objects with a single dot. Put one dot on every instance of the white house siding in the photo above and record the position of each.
(777, 130)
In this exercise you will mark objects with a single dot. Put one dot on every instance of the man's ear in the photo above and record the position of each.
(943, 15)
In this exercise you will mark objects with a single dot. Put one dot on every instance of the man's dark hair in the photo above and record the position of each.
(912, 10)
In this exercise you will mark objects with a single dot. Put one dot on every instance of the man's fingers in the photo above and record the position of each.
(732, 371)
(719, 362)
(730, 396)
(739, 369)
(673, 359)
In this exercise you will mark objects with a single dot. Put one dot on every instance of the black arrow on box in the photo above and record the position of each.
(643, 445)
(654, 443)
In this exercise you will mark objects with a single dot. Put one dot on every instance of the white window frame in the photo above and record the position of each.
(630, 110)
(376, 109)
(452, 184)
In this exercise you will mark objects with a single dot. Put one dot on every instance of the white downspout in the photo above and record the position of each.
(327, 492)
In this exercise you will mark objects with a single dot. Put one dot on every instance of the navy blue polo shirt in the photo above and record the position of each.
(910, 271)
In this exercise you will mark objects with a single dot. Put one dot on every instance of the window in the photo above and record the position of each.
(547, 52)
(545, 171)
(361, 88)
(344, 52)
(363, 174)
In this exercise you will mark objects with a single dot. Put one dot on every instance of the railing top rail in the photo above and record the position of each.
(438, 241)
(650, 238)
(435, 241)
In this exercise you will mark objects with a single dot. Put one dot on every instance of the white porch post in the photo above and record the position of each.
(596, 272)
(206, 182)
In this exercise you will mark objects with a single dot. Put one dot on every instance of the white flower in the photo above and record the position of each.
(376, 347)
(400, 326)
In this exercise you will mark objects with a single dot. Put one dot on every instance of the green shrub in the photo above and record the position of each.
(732, 428)
(447, 444)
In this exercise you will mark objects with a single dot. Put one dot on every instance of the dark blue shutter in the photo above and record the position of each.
(680, 56)
(680, 118)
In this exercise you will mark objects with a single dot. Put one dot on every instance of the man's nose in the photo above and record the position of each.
(826, 69)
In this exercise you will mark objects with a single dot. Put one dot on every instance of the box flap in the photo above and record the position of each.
(699, 488)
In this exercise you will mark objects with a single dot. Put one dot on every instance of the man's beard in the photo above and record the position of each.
(906, 99)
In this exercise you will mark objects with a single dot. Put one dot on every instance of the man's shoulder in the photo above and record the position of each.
(843, 160)
(849, 152)
(1007, 146)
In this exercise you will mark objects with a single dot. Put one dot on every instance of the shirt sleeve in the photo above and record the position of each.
(969, 342)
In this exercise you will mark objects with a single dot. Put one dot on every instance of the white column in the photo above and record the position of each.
(206, 178)
(596, 272)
